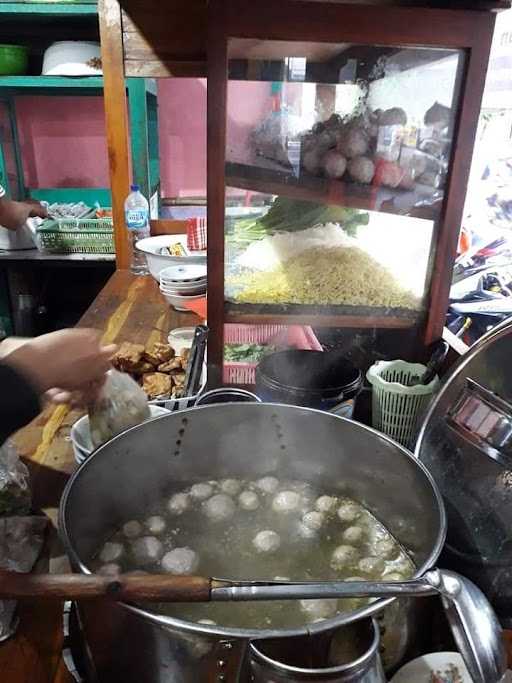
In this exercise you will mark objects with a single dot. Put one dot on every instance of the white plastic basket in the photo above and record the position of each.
(396, 407)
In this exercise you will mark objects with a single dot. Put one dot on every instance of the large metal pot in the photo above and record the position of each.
(123, 477)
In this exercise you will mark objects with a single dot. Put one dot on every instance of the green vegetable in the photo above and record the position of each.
(248, 353)
(291, 215)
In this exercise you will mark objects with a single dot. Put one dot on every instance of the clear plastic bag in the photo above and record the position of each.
(21, 540)
(121, 404)
(15, 498)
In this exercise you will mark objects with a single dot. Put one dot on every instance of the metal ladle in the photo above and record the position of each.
(475, 627)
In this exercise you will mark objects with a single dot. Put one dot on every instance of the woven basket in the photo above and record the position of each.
(77, 236)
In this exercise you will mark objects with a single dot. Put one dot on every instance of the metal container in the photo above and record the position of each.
(350, 654)
(247, 440)
(466, 443)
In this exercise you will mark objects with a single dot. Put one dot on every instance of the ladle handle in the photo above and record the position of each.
(129, 588)
(305, 590)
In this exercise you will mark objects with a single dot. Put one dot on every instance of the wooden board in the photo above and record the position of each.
(129, 308)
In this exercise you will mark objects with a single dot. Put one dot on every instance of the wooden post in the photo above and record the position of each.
(116, 119)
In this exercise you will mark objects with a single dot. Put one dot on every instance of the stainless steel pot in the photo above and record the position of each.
(123, 477)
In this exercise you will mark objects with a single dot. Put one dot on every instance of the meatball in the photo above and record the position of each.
(178, 503)
(326, 503)
(155, 524)
(180, 561)
(394, 576)
(344, 556)
(147, 550)
(132, 529)
(231, 486)
(266, 541)
(349, 511)
(313, 520)
(306, 531)
(319, 608)
(353, 534)
(219, 507)
(248, 500)
(110, 569)
(286, 501)
(267, 484)
(201, 491)
(371, 565)
(111, 552)
(386, 548)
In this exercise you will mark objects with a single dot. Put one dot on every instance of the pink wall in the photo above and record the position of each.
(62, 141)
(63, 138)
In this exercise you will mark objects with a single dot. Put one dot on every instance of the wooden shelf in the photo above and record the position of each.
(328, 316)
(352, 195)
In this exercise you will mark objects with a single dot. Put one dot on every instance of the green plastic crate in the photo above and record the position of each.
(82, 236)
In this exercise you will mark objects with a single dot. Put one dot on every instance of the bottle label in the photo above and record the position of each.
(136, 219)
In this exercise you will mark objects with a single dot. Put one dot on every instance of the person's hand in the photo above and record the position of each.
(37, 209)
(68, 359)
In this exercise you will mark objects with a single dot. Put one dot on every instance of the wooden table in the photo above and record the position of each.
(129, 308)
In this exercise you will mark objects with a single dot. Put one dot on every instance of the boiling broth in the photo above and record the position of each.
(264, 529)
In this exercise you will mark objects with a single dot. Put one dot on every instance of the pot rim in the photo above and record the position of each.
(324, 672)
(231, 632)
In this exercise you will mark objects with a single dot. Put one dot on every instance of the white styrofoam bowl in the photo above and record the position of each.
(72, 58)
(184, 274)
(183, 291)
(152, 246)
(81, 434)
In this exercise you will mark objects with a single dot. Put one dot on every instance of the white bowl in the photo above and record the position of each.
(181, 338)
(81, 434)
(184, 273)
(72, 58)
(184, 291)
(178, 301)
(152, 247)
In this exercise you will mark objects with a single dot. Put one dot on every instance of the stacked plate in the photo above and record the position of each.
(183, 283)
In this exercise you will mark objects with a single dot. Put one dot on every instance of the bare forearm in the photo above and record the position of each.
(13, 214)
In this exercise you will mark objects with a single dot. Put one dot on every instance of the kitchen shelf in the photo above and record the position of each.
(351, 195)
(51, 84)
(320, 316)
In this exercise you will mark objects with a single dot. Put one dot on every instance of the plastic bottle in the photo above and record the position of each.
(136, 211)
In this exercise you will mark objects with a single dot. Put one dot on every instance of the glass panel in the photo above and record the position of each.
(336, 164)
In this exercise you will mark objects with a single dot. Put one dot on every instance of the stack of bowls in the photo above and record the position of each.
(183, 283)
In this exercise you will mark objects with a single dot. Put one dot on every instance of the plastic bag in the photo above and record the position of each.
(21, 540)
(15, 498)
(121, 404)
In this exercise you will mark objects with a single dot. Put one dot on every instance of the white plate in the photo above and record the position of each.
(185, 291)
(184, 273)
(420, 670)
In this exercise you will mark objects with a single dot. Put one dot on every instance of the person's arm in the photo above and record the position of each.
(19, 401)
(69, 359)
(14, 214)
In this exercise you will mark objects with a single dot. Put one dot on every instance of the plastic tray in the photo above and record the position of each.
(296, 336)
(77, 236)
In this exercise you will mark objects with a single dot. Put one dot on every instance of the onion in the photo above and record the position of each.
(312, 160)
(362, 169)
(334, 164)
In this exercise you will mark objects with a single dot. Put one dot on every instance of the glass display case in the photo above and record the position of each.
(334, 160)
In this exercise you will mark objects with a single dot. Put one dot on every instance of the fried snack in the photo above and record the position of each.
(185, 353)
(172, 366)
(158, 353)
(156, 384)
(128, 356)
(142, 368)
(179, 379)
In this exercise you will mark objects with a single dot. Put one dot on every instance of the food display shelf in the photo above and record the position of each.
(351, 195)
(321, 316)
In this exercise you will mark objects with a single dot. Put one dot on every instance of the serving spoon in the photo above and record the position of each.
(475, 627)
